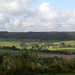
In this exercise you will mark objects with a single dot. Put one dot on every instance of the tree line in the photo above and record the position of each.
(39, 35)
(38, 50)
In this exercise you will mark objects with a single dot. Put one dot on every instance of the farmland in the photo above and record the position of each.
(34, 46)
(59, 56)
(72, 42)
(17, 42)
(37, 45)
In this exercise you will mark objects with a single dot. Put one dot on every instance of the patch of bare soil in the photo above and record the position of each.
(59, 56)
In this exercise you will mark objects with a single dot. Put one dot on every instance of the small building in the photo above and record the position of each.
(50, 46)
(46, 46)
(42, 44)
(27, 43)
(58, 46)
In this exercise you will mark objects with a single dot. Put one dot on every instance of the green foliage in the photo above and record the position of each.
(26, 63)
(39, 35)
(9, 48)
(1, 58)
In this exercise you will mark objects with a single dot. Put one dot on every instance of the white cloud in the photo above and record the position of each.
(45, 7)
(45, 18)
(13, 7)
(10, 8)
(16, 22)
(18, 1)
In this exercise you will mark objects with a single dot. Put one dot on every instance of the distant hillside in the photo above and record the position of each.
(39, 35)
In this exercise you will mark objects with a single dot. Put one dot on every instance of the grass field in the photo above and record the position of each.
(43, 41)
(61, 48)
(11, 42)
(15, 42)
(72, 42)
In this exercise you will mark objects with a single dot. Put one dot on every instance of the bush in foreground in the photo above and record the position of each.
(27, 64)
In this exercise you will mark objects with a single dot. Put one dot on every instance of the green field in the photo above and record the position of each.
(61, 48)
(11, 42)
(17, 42)
(72, 42)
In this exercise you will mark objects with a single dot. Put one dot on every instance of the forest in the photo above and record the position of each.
(39, 35)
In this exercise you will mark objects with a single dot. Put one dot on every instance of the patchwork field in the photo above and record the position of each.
(17, 42)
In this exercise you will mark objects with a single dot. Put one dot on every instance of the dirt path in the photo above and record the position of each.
(59, 56)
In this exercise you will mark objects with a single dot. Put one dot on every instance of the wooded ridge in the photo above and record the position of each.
(39, 35)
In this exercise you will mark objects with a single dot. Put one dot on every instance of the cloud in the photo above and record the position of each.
(16, 22)
(45, 18)
(3, 18)
(45, 7)
(13, 7)
(18, 1)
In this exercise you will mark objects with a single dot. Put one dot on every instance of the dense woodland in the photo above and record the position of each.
(39, 35)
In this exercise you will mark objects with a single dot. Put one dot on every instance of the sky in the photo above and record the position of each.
(37, 15)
